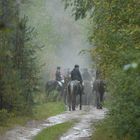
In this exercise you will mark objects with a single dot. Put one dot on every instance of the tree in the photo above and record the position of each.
(18, 69)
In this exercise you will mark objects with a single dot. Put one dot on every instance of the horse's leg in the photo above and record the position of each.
(97, 100)
(64, 96)
(101, 100)
(80, 101)
(73, 101)
(69, 98)
(69, 102)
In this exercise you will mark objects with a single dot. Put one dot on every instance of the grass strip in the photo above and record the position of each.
(54, 132)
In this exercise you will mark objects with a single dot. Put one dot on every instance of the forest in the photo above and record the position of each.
(28, 50)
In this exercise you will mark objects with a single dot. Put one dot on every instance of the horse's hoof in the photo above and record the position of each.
(99, 107)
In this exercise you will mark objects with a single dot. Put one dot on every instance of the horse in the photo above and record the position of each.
(88, 96)
(99, 89)
(74, 89)
(54, 85)
(67, 79)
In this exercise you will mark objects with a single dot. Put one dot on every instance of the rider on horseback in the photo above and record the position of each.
(76, 75)
(75, 88)
(86, 75)
(58, 76)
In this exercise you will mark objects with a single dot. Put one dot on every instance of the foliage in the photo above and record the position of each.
(114, 33)
(104, 132)
(18, 70)
(24, 43)
(126, 112)
(4, 115)
(53, 96)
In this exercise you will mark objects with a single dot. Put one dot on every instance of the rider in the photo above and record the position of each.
(76, 75)
(58, 76)
(86, 75)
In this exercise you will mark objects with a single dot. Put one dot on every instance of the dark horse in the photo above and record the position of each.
(88, 96)
(99, 89)
(54, 85)
(67, 79)
(74, 89)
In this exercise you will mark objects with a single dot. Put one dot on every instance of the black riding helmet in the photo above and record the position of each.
(76, 66)
(58, 68)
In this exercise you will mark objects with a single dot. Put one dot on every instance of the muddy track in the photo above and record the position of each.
(81, 130)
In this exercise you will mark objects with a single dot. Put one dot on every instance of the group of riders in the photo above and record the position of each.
(75, 74)
(71, 78)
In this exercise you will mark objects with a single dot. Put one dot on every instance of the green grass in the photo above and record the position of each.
(40, 112)
(13, 122)
(48, 109)
(54, 132)
(103, 132)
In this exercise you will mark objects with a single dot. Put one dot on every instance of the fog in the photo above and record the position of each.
(73, 36)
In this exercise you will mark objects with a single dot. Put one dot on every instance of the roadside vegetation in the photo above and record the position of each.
(114, 34)
(54, 132)
(102, 131)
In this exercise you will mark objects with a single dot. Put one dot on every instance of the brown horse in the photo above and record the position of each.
(74, 89)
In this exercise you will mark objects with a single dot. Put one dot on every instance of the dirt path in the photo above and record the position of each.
(81, 130)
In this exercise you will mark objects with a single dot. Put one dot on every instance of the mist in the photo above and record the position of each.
(73, 37)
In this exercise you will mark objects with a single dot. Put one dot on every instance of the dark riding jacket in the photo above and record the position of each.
(76, 75)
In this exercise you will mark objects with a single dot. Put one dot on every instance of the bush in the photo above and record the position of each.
(53, 96)
(104, 131)
(4, 116)
(125, 106)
